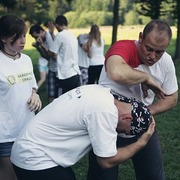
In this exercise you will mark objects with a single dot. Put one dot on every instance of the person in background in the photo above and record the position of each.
(46, 37)
(95, 51)
(92, 115)
(65, 49)
(131, 68)
(18, 98)
(83, 58)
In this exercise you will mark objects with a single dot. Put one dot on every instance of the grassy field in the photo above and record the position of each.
(168, 123)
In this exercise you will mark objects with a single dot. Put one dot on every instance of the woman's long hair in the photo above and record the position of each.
(94, 34)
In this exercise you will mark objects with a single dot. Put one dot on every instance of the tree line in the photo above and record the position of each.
(82, 13)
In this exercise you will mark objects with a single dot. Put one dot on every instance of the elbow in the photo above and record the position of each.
(175, 99)
(104, 163)
(117, 77)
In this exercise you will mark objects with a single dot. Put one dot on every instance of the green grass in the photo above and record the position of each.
(168, 124)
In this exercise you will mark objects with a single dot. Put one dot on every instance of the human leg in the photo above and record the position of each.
(54, 173)
(94, 74)
(51, 85)
(42, 79)
(91, 75)
(84, 75)
(6, 169)
(95, 172)
(148, 162)
(43, 71)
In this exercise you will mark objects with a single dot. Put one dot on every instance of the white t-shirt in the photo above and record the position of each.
(82, 54)
(52, 61)
(65, 45)
(97, 54)
(16, 83)
(65, 130)
(163, 72)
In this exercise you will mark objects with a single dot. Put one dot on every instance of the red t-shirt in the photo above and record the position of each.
(127, 50)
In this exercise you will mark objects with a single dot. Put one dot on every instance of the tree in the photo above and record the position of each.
(8, 4)
(150, 8)
(177, 51)
(115, 20)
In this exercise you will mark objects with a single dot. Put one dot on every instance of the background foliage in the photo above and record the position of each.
(82, 13)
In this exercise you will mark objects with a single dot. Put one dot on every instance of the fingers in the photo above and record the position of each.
(35, 103)
(144, 90)
(158, 91)
(144, 138)
(151, 126)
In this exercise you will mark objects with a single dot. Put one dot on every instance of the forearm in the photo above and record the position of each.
(162, 105)
(123, 154)
(43, 52)
(49, 53)
(127, 152)
(119, 71)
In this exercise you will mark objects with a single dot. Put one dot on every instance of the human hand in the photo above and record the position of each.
(39, 40)
(34, 44)
(51, 27)
(34, 102)
(151, 84)
(144, 138)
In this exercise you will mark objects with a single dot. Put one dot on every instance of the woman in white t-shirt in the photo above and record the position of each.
(95, 51)
(18, 98)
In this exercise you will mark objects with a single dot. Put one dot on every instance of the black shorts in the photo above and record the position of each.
(54, 173)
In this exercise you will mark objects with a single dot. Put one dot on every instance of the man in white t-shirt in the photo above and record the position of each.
(65, 49)
(130, 69)
(85, 118)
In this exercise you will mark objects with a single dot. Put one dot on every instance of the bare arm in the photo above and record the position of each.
(162, 105)
(45, 49)
(43, 53)
(120, 72)
(127, 152)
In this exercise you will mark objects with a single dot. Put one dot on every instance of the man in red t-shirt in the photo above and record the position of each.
(141, 69)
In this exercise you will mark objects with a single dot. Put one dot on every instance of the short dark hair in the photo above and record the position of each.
(11, 26)
(61, 20)
(159, 25)
(35, 28)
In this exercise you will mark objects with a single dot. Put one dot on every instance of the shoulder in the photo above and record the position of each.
(26, 57)
(165, 62)
(124, 42)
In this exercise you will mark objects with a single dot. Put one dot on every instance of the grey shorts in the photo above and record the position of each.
(5, 149)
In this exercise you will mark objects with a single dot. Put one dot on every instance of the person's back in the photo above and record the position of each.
(65, 48)
(95, 51)
(67, 57)
(127, 63)
(83, 58)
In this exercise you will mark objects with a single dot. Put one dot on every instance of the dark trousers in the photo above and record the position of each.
(94, 74)
(66, 85)
(148, 163)
(55, 173)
